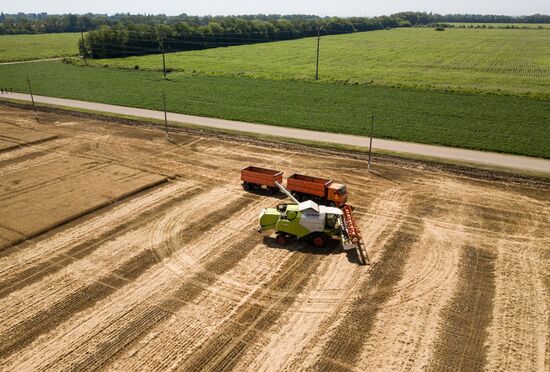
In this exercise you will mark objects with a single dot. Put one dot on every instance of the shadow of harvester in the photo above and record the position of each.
(332, 248)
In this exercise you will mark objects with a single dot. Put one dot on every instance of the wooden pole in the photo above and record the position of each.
(165, 115)
(30, 91)
(370, 145)
(161, 35)
(318, 45)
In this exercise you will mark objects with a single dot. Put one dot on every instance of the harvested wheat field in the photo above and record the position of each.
(121, 250)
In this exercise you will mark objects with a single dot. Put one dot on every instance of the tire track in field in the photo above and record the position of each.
(467, 316)
(83, 212)
(51, 265)
(224, 349)
(25, 332)
(520, 325)
(28, 330)
(346, 343)
(27, 144)
(130, 333)
(377, 229)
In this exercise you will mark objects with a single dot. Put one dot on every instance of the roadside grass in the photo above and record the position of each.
(516, 125)
(515, 62)
(40, 46)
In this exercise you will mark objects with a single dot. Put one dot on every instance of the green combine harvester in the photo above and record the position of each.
(313, 223)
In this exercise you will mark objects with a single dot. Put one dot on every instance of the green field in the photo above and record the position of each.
(488, 122)
(39, 46)
(515, 62)
(502, 25)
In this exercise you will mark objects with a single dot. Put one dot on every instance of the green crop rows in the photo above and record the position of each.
(488, 122)
(514, 62)
(39, 46)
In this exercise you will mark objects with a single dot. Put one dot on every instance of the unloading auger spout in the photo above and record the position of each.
(286, 192)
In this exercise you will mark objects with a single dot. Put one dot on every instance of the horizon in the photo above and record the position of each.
(321, 8)
(266, 14)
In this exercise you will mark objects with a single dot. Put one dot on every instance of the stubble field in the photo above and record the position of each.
(125, 251)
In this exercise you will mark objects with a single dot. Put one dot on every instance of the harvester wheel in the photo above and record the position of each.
(281, 239)
(319, 240)
(331, 204)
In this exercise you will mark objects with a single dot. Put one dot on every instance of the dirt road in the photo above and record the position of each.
(124, 251)
(481, 158)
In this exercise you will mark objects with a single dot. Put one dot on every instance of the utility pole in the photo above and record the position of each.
(85, 52)
(370, 145)
(318, 44)
(165, 115)
(161, 34)
(32, 96)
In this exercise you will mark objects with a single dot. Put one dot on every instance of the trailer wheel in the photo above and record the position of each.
(319, 240)
(281, 239)
(269, 191)
(331, 204)
(246, 186)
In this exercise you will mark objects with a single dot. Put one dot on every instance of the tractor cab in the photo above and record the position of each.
(338, 193)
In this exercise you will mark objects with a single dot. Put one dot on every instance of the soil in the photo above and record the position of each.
(125, 251)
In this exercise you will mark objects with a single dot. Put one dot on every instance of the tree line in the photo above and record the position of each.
(33, 23)
(140, 39)
(124, 34)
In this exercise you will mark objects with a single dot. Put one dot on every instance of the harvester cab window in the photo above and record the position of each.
(331, 220)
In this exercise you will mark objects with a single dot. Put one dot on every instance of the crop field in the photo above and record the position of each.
(497, 61)
(122, 250)
(40, 46)
(501, 25)
(487, 122)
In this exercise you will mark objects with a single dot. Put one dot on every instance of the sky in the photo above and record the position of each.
(319, 7)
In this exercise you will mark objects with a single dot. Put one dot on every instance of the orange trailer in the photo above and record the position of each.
(319, 189)
(256, 178)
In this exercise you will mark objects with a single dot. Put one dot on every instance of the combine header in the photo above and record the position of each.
(353, 235)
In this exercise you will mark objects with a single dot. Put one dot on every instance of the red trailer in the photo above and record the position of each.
(256, 178)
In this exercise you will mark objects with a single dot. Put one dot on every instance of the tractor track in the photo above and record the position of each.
(88, 295)
(467, 316)
(223, 350)
(45, 320)
(83, 212)
(49, 265)
(26, 144)
(343, 349)
(186, 292)
(346, 343)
